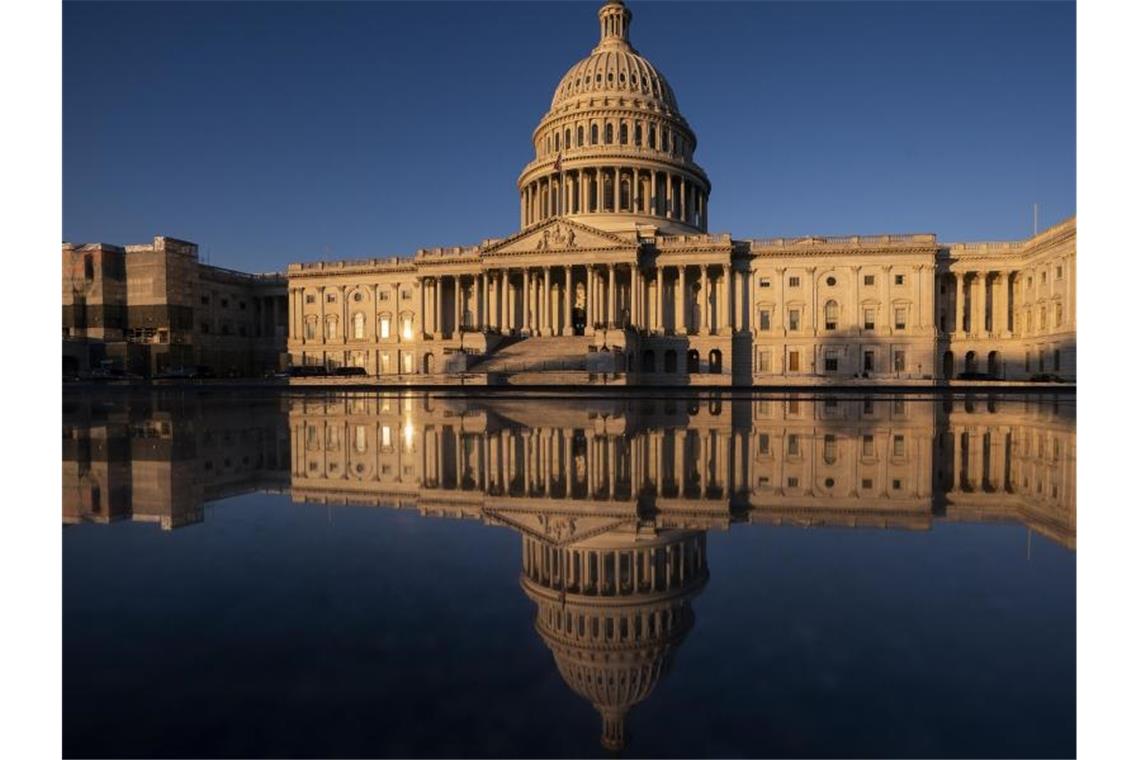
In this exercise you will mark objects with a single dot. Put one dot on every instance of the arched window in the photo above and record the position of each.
(609, 134)
(358, 325)
(566, 138)
(608, 193)
(593, 134)
(385, 326)
(715, 361)
(406, 326)
(623, 134)
(581, 136)
(653, 136)
(831, 315)
(830, 449)
(693, 362)
(637, 135)
(330, 331)
(557, 140)
(625, 197)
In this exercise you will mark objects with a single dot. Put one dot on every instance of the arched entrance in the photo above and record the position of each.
(948, 365)
(693, 362)
(993, 364)
(715, 361)
(971, 362)
(429, 364)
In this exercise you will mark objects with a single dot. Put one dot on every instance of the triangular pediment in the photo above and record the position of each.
(558, 529)
(559, 235)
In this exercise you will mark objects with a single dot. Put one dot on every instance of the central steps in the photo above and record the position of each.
(537, 354)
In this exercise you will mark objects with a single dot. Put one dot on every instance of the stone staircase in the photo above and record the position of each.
(536, 355)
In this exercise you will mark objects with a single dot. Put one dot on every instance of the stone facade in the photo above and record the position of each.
(153, 307)
(613, 276)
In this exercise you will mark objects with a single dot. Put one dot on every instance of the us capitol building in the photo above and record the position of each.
(614, 276)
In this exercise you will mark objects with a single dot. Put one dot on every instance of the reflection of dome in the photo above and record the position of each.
(614, 147)
(613, 609)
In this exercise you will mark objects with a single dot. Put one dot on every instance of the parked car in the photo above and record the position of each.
(309, 371)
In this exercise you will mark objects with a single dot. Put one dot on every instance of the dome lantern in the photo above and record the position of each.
(615, 18)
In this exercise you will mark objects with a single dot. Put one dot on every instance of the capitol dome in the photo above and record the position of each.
(614, 149)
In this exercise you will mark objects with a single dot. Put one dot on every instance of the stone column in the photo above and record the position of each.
(421, 283)
(526, 300)
(679, 319)
(704, 326)
(547, 305)
(669, 196)
(659, 301)
(567, 296)
(959, 302)
(1001, 305)
(611, 298)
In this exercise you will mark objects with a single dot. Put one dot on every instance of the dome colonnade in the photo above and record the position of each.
(614, 147)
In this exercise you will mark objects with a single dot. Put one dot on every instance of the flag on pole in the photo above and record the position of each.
(558, 162)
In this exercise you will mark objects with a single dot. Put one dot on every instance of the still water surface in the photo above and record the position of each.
(397, 574)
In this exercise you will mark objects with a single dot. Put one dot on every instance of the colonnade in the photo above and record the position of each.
(616, 189)
(703, 299)
(982, 304)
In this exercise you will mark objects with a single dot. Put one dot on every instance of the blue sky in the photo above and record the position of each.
(277, 132)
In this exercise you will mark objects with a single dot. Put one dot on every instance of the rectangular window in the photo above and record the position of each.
(793, 445)
(385, 327)
(793, 482)
(868, 484)
(830, 362)
(1059, 271)
(900, 319)
(793, 319)
(898, 449)
(1060, 311)
(330, 297)
(765, 320)
(868, 279)
(310, 298)
(896, 485)
(407, 362)
(384, 295)
(793, 282)
(900, 279)
(762, 442)
(205, 300)
(405, 295)
(385, 363)
(765, 363)
(900, 361)
(868, 445)
(765, 282)
(793, 361)
(868, 319)
(406, 328)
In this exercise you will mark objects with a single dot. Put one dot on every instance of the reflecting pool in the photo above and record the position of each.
(405, 574)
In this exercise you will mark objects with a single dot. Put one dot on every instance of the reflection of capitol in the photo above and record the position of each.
(612, 497)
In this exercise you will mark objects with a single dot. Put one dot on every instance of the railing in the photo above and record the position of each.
(848, 240)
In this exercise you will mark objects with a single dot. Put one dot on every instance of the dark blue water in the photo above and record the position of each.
(264, 625)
